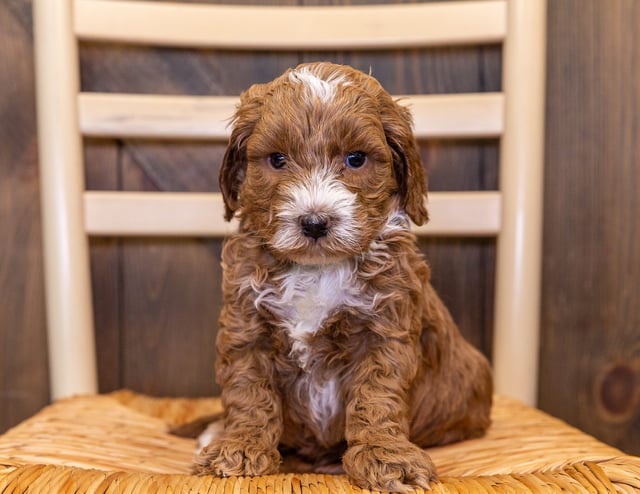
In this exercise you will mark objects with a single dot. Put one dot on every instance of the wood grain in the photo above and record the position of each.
(352, 27)
(101, 171)
(23, 358)
(590, 356)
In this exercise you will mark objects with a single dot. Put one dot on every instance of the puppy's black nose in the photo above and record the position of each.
(314, 226)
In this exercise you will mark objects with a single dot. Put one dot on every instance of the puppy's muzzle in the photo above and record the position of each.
(314, 226)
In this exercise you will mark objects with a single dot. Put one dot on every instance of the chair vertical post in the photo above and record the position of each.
(72, 361)
(518, 265)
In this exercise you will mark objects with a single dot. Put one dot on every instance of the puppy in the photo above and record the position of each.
(332, 342)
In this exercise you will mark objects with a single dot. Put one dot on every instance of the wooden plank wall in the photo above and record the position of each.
(590, 356)
(23, 361)
(157, 300)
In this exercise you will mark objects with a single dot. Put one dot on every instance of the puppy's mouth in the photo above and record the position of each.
(316, 220)
(315, 239)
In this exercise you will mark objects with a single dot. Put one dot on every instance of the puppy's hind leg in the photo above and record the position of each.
(452, 403)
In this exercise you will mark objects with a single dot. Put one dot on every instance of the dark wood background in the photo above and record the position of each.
(157, 300)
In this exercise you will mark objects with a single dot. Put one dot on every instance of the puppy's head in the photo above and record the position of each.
(317, 161)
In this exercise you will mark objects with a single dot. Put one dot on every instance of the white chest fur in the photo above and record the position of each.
(309, 295)
(302, 299)
(304, 296)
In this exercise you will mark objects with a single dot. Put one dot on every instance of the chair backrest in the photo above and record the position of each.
(65, 114)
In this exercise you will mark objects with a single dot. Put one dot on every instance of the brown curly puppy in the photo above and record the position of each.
(332, 342)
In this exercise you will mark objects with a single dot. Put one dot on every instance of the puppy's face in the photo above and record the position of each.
(317, 160)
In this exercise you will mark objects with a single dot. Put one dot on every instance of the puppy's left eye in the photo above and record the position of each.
(277, 160)
(355, 159)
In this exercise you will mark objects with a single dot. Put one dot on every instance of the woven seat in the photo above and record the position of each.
(120, 443)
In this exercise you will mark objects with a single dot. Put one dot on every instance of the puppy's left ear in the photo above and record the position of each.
(412, 182)
(234, 163)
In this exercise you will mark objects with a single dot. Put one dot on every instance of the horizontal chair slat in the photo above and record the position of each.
(201, 214)
(466, 214)
(457, 115)
(306, 28)
(207, 117)
(161, 116)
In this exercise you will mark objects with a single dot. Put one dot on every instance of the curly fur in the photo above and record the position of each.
(334, 347)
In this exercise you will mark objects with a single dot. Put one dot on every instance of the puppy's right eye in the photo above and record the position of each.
(356, 159)
(277, 160)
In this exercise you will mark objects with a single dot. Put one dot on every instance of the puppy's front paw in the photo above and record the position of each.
(231, 457)
(391, 467)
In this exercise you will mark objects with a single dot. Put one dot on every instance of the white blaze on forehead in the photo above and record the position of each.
(316, 86)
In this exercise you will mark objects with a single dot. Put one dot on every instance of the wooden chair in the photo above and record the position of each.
(87, 442)
(71, 214)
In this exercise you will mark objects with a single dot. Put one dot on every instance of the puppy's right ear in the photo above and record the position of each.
(234, 163)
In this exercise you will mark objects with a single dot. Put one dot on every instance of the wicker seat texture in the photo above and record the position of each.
(120, 443)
